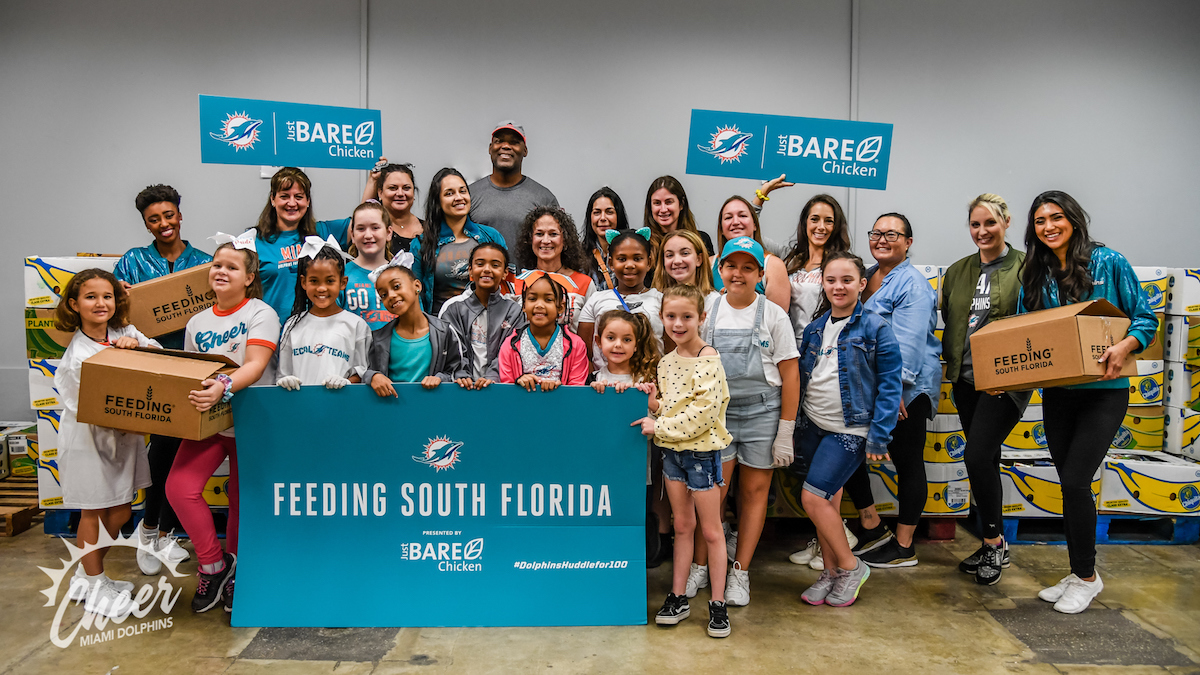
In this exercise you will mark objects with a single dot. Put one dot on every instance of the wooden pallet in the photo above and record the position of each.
(18, 504)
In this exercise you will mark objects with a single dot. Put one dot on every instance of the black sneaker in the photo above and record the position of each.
(869, 540)
(675, 609)
(718, 620)
(991, 564)
(209, 587)
(969, 565)
(228, 593)
(891, 554)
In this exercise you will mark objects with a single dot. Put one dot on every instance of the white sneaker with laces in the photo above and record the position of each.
(818, 562)
(106, 600)
(1055, 592)
(1078, 595)
(731, 542)
(146, 560)
(850, 538)
(737, 586)
(697, 579)
(79, 588)
(168, 547)
(805, 556)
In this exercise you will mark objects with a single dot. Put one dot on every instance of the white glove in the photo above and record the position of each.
(782, 450)
(335, 382)
(289, 382)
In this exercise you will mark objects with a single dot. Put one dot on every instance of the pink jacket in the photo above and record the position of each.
(575, 365)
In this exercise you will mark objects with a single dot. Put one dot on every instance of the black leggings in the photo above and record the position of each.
(159, 513)
(907, 451)
(986, 421)
(1080, 425)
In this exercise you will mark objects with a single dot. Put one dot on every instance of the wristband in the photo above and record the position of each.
(760, 195)
(228, 382)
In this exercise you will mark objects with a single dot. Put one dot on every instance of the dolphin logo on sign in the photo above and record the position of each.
(728, 144)
(440, 453)
(238, 130)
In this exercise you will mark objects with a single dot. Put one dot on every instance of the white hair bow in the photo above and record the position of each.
(244, 240)
(402, 259)
(313, 245)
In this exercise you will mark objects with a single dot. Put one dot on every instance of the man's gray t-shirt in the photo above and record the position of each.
(505, 208)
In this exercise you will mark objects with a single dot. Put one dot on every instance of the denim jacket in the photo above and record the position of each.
(480, 233)
(909, 304)
(869, 366)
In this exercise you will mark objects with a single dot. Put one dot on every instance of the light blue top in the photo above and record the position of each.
(907, 301)
(279, 258)
(146, 263)
(361, 298)
(1114, 280)
(409, 360)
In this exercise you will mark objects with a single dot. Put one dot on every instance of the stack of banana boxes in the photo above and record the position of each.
(45, 279)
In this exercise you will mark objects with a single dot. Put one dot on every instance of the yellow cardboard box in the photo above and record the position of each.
(1146, 388)
(45, 278)
(1182, 341)
(1183, 292)
(1142, 429)
(1154, 483)
(949, 489)
(1030, 484)
(1183, 386)
(945, 441)
(1181, 428)
(1029, 433)
(42, 393)
(1154, 285)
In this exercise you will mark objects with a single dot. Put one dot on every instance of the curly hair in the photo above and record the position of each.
(155, 194)
(643, 363)
(572, 256)
(68, 320)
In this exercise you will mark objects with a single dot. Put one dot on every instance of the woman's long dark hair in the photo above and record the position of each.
(434, 217)
(839, 238)
(588, 236)
(1074, 280)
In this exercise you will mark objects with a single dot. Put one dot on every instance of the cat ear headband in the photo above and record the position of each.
(643, 232)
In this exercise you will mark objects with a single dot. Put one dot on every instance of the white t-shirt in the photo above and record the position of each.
(603, 375)
(776, 341)
(229, 333)
(315, 348)
(710, 300)
(823, 397)
(647, 303)
(806, 296)
(479, 345)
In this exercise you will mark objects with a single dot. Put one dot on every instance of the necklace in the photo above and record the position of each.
(97, 340)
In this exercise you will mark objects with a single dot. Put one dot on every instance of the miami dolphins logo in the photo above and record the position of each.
(238, 130)
(440, 453)
(728, 144)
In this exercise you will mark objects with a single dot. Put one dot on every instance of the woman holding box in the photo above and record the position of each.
(975, 290)
(1064, 265)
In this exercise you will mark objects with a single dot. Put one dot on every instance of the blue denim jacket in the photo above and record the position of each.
(909, 304)
(480, 233)
(869, 366)
(1114, 280)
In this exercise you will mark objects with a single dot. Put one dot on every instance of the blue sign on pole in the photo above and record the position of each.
(273, 133)
(440, 508)
(809, 150)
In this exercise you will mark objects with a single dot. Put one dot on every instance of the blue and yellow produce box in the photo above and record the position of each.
(22, 450)
(1030, 484)
(783, 501)
(42, 393)
(1146, 388)
(945, 442)
(1154, 285)
(949, 489)
(1182, 386)
(1142, 429)
(933, 274)
(1029, 433)
(45, 278)
(945, 404)
(1181, 432)
(49, 486)
(1153, 483)
(1182, 341)
(42, 339)
(1183, 292)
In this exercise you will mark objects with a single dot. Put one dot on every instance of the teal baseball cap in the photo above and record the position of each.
(744, 245)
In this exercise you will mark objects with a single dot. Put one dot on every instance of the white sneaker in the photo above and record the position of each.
(147, 562)
(1079, 595)
(106, 600)
(850, 538)
(805, 556)
(697, 579)
(818, 562)
(78, 590)
(730, 542)
(1055, 592)
(168, 547)
(737, 586)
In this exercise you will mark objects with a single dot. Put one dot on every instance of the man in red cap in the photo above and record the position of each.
(502, 199)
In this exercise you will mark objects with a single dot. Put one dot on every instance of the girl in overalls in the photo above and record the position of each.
(760, 358)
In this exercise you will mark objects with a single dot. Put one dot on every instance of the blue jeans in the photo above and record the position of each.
(831, 458)
(700, 470)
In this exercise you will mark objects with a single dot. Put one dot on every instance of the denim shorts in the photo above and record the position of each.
(831, 458)
(700, 470)
(753, 426)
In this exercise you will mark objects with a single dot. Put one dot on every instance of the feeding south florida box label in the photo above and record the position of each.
(274, 133)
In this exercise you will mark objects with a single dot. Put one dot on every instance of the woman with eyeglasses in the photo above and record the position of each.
(899, 293)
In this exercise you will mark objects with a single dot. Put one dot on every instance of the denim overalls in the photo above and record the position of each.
(754, 405)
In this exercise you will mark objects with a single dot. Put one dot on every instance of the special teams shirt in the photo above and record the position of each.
(213, 331)
(315, 348)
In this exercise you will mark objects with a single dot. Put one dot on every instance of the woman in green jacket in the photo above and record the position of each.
(975, 290)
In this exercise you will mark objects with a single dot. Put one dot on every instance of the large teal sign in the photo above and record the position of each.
(273, 133)
(440, 508)
(809, 150)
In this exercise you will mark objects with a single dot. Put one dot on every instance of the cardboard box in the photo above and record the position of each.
(7, 428)
(1146, 388)
(42, 393)
(1182, 339)
(1183, 292)
(1154, 285)
(1154, 483)
(1182, 386)
(1036, 398)
(45, 278)
(1181, 432)
(22, 450)
(1142, 429)
(42, 339)
(945, 441)
(933, 274)
(1028, 434)
(165, 304)
(1156, 350)
(783, 500)
(1051, 347)
(949, 489)
(49, 487)
(1030, 485)
(945, 404)
(146, 390)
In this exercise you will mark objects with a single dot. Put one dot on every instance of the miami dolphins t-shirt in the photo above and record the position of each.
(452, 273)
(229, 333)
(361, 298)
(279, 258)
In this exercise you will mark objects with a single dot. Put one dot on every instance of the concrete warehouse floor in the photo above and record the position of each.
(926, 619)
